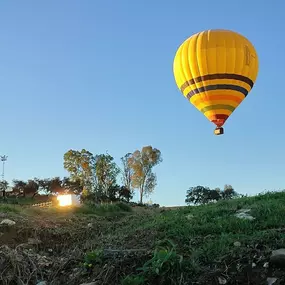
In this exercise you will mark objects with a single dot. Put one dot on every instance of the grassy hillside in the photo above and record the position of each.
(116, 244)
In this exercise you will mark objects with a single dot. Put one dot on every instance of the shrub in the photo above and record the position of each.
(9, 209)
(124, 207)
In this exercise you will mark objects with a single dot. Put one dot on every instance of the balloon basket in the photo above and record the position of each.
(219, 131)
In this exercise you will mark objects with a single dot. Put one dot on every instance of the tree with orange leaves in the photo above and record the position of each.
(142, 163)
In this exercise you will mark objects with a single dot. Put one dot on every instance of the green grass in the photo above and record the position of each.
(210, 232)
(19, 201)
(4, 208)
(104, 209)
(203, 236)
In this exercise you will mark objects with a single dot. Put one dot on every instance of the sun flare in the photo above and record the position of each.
(64, 200)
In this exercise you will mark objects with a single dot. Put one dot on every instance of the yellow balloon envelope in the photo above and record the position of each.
(215, 70)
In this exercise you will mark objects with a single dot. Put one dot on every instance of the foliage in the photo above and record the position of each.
(125, 194)
(92, 258)
(197, 195)
(127, 173)
(97, 175)
(124, 207)
(228, 192)
(24, 188)
(46, 186)
(204, 235)
(116, 209)
(50, 185)
(106, 172)
(204, 195)
(142, 163)
(133, 280)
(80, 166)
(164, 264)
(164, 260)
(72, 186)
(3, 187)
(9, 208)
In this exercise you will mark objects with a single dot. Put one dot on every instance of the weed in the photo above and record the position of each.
(204, 235)
(124, 207)
(9, 208)
(164, 265)
(92, 258)
(164, 260)
(103, 209)
(133, 280)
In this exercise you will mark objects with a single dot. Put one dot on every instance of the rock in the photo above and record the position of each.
(237, 244)
(25, 246)
(222, 280)
(90, 225)
(76, 272)
(189, 217)
(266, 265)
(244, 211)
(44, 261)
(243, 214)
(271, 280)
(278, 257)
(33, 241)
(7, 222)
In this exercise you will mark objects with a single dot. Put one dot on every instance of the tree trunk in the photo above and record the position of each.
(141, 196)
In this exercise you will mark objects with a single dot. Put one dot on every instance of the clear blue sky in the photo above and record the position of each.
(98, 75)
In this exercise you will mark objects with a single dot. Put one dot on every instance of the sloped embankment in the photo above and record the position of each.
(214, 244)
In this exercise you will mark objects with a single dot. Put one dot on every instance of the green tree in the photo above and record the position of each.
(56, 185)
(23, 188)
(72, 186)
(215, 195)
(44, 185)
(198, 195)
(31, 188)
(18, 187)
(142, 163)
(204, 195)
(80, 166)
(229, 192)
(113, 193)
(106, 172)
(125, 194)
(3, 187)
(127, 173)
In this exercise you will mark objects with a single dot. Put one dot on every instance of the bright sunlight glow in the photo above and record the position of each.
(64, 200)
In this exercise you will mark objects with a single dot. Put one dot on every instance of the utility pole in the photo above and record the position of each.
(3, 159)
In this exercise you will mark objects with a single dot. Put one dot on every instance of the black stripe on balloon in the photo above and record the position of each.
(217, 76)
(217, 87)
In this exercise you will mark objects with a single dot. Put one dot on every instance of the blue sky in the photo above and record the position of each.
(98, 75)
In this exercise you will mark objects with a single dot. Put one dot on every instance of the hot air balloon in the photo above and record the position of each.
(215, 70)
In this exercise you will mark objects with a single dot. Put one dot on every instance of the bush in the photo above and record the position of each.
(9, 209)
(124, 207)
(103, 209)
